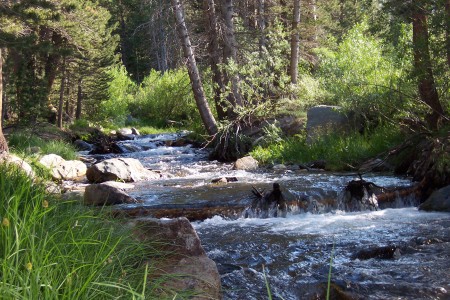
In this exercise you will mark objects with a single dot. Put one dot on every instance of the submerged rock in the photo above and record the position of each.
(387, 252)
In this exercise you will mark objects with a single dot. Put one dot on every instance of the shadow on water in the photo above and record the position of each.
(391, 252)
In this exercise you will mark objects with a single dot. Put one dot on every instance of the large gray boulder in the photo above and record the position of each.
(195, 271)
(69, 170)
(438, 201)
(104, 194)
(62, 169)
(246, 163)
(326, 119)
(123, 169)
(51, 160)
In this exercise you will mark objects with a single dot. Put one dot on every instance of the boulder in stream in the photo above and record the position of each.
(246, 163)
(104, 194)
(124, 169)
(187, 259)
(438, 201)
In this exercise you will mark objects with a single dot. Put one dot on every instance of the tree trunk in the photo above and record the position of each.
(447, 29)
(295, 41)
(423, 68)
(230, 51)
(52, 60)
(164, 66)
(262, 25)
(79, 99)
(314, 17)
(61, 94)
(3, 143)
(194, 75)
(214, 56)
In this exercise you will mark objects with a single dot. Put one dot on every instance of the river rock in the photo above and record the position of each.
(51, 160)
(386, 252)
(62, 169)
(224, 180)
(69, 170)
(325, 119)
(135, 131)
(125, 134)
(199, 273)
(104, 194)
(438, 201)
(246, 163)
(124, 169)
(18, 162)
(81, 145)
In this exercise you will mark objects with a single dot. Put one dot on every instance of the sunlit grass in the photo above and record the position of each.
(62, 250)
(339, 152)
(25, 143)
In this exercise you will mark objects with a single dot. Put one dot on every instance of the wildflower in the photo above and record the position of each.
(29, 266)
(5, 222)
(45, 204)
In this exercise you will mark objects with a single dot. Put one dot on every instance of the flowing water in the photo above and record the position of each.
(292, 256)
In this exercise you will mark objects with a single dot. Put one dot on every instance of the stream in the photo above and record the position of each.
(292, 256)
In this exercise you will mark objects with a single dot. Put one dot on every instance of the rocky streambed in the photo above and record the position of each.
(385, 252)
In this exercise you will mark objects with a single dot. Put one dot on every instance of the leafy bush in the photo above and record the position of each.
(121, 94)
(362, 76)
(163, 96)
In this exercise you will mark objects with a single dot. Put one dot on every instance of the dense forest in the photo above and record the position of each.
(221, 66)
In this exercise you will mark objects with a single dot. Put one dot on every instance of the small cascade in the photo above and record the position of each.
(358, 195)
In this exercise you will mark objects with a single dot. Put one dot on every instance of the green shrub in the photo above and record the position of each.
(121, 93)
(163, 96)
(365, 77)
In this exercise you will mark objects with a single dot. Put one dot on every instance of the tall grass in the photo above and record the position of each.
(24, 143)
(61, 250)
(339, 152)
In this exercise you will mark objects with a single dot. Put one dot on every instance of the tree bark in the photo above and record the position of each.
(61, 94)
(3, 143)
(295, 41)
(214, 56)
(262, 25)
(447, 29)
(194, 75)
(79, 99)
(423, 68)
(230, 51)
